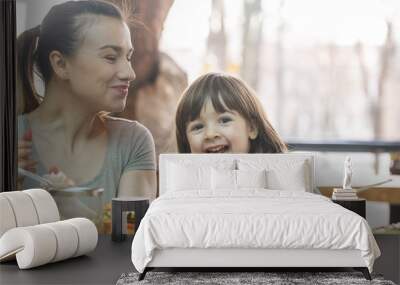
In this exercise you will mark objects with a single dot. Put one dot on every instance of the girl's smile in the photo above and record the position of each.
(213, 132)
(217, 149)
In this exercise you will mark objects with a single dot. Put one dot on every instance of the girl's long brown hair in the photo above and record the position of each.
(223, 89)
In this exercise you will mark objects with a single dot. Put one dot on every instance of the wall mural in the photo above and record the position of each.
(104, 87)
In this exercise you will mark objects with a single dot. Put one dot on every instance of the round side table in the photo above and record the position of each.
(139, 205)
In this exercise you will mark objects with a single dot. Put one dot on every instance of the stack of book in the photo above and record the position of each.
(344, 194)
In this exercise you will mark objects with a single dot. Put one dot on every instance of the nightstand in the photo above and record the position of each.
(357, 206)
(120, 205)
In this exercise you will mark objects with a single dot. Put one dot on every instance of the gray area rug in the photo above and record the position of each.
(228, 278)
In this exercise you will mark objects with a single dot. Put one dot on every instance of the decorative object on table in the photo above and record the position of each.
(347, 192)
(244, 278)
(31, 231)
(341, 194)
(122, 209)
(357, 206)
(348, 173)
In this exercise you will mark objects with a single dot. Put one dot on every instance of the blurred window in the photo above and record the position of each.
(322, 69)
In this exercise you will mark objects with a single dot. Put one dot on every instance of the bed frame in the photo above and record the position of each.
(246, 258)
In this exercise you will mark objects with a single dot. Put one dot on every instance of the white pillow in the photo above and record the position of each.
(227, 179)
(251, 178)
(290, 174)
(181, 177)
(223, 179)
(294, 178)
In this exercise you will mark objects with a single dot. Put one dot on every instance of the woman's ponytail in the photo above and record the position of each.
(26, 46)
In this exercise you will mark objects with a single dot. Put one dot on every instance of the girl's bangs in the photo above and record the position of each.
(219, 103)
(198, 102)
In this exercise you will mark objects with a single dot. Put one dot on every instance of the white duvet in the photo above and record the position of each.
(252, 218)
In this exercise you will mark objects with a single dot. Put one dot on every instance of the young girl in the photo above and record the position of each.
(219, 113)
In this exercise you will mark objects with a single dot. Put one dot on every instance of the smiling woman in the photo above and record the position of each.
(82, 50)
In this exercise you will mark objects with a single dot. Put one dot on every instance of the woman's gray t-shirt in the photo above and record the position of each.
(130, 147)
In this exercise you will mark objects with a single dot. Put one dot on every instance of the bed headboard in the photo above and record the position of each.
(272, 161)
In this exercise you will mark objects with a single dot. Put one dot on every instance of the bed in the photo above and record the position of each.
(246, 211)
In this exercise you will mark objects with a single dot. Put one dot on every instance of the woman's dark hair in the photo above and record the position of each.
(226, 92)
(62, 29)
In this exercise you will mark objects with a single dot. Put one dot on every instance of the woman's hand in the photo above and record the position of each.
(58, 178)
(24, 155)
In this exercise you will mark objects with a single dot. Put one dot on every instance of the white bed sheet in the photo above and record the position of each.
(252, 218)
